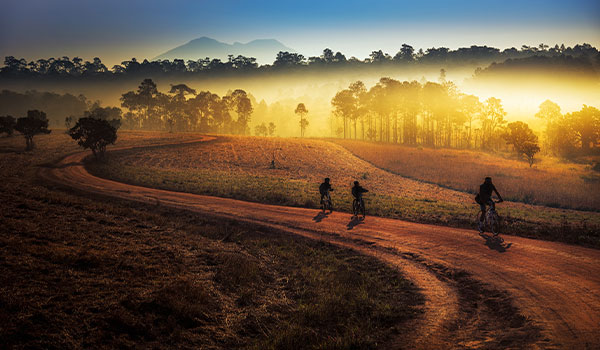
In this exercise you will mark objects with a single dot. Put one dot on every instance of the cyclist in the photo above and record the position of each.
(357, 191)
(324, 189)
(484, 198)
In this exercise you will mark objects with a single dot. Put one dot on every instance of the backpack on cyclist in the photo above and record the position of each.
(478, 199)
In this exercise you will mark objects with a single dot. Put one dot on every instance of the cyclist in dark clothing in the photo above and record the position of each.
(484, 198)
(358, 190)
(324, 189)
(358, 205)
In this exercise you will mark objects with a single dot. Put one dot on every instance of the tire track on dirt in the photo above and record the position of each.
(554, 284)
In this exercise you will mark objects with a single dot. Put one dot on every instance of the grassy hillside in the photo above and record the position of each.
(549, 182)
(238, 167)
(85, 272)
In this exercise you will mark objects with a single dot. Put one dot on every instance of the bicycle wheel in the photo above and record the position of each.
(477, 225)
(362, 209)
(355, 207)
(494, 223)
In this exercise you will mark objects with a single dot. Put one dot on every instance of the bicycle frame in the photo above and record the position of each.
(490, 220)
(358, 206)
(327, 204)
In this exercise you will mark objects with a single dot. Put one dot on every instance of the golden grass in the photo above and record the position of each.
(549, 182)
(238, 167)
(84, 272)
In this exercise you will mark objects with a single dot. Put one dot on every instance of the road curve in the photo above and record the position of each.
(555, 285)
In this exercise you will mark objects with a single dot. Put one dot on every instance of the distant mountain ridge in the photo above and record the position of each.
(264, 50)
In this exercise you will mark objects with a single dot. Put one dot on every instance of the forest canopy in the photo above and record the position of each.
(582, 56)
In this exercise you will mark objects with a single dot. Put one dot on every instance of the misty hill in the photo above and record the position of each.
(264, 50)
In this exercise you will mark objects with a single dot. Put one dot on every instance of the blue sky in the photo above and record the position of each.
(118, 30)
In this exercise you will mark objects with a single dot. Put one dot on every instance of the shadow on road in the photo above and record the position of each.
(495, 242)
(320, 216)
(355, 221)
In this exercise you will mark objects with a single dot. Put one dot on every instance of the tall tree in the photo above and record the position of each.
(491, 118)
(179, 112)
(343, 107)
(471, 108)
(302, 111)
(410, 108)
(242, 105)
(551, 114)
(145, 99)
(359, 92)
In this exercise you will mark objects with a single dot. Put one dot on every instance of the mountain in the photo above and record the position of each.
(264, 50)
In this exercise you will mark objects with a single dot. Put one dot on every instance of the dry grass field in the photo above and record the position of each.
(549, 182)
(78, 271)
(238, 167)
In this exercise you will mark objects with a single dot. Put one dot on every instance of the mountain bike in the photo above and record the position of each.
(491, 220)
(326, 203)
(358, 207)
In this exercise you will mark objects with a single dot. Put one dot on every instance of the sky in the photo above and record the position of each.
(119, 30)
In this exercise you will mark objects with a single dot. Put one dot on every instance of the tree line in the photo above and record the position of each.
(406, 55)
(184, 109)
(439, 115)
(570, 134)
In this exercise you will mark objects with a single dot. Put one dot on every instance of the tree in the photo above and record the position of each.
(239, 101)
(471, 108)
(261, 130)
(586, 126)
(94, 134)
(406, 54)
(35, 123)
(145, 99)
(203, 109)
(302, 111)
(285, 58)
(7, 125)
(550, 112)
(343, 107)
(181, 90)
(524, 141)
(271, 128)
(178, 111)
(327, 56)
(491, 118)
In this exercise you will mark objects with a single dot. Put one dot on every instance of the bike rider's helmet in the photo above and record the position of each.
(327, 180)
(488, 179)
(355, 183)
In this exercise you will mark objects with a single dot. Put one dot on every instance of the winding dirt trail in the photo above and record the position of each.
(469, 281)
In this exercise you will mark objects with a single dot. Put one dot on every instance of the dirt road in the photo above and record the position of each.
(476, 287)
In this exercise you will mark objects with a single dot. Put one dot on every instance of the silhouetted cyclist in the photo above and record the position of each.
(324, 189)
(358, 205)
(484, 198)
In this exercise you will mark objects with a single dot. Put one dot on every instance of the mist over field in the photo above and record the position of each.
(567, 76)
